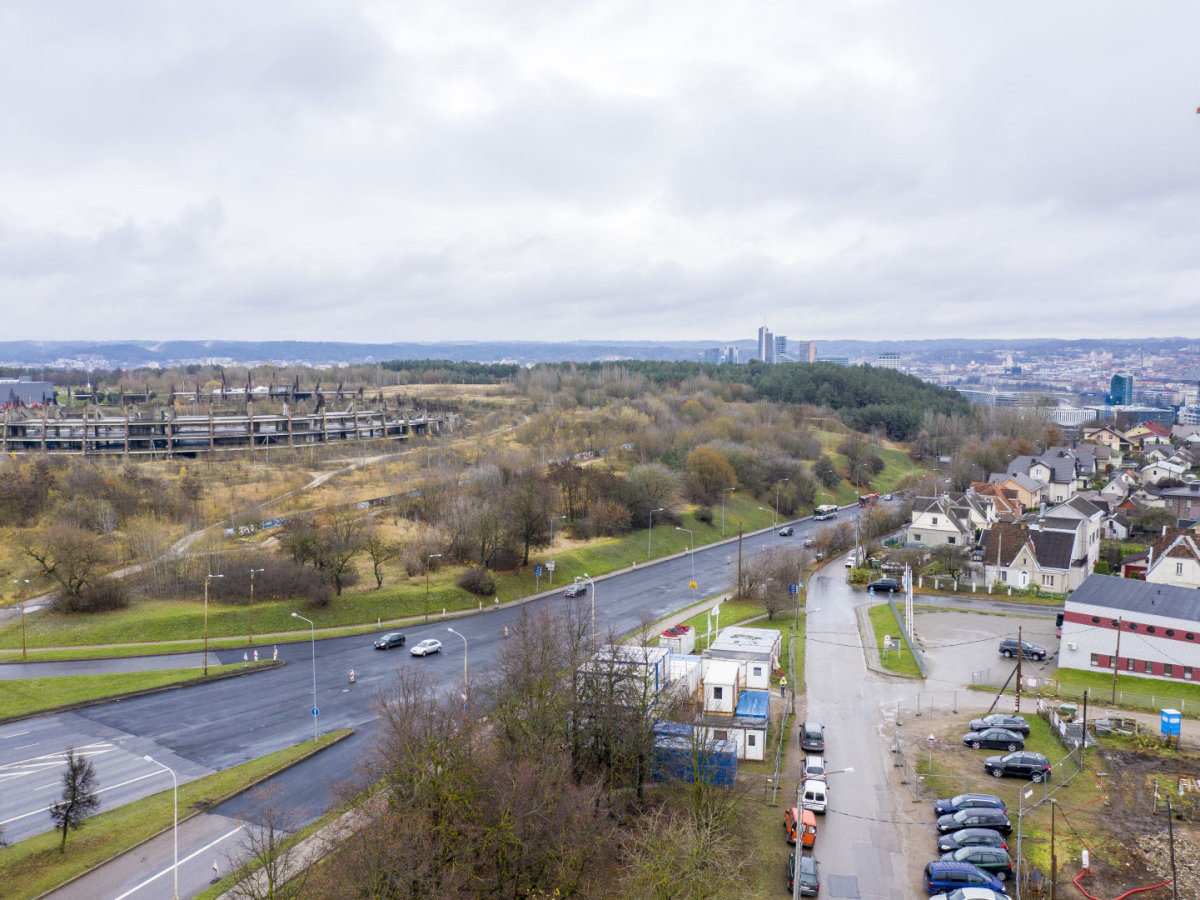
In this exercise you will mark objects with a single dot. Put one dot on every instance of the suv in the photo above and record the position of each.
(990, 859)
(1022, 764)
(1000, 720)
(971, 837)
(812, 737)
(787, 531)
(814, 768)
(1009, 647)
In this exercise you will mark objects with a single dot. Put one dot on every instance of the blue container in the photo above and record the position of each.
(1171, 719)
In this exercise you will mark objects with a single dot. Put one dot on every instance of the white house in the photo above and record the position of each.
(1157, 471)
(1174, 559)
(722, 682)
(1158, 627)
(747, 728)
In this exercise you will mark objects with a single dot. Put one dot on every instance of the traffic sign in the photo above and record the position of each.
(537, 570)
(791, 589)
(692, 585)
(315, 711)
(550, 566)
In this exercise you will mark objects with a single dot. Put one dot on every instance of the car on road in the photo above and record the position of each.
(809, 875)
(971, 837)
(994, 739)
(978, 817)
(947, 805)
(1022, 764)
(787, 531)
(972, 893)
(427, 646)
(990, 859)
(885, 584)
(1000, 720)
(946, 875)
(579, 589)
(1010, 646)
(887, 497)
(810, 541)
(812, 737)
(851, 559)
(389, 640)
(800, 823)
(814, 767)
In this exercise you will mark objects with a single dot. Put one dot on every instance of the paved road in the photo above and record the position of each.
(206, 728)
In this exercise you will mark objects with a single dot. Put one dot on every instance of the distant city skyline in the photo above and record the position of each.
(678, 171)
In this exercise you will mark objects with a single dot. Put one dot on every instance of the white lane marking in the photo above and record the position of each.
(13, 734)
(101, 791)
(206, 847)
(37, 764)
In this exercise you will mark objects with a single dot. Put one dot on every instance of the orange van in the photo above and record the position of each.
(805, 822)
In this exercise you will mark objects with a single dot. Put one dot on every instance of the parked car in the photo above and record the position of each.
(946, 875)
(427, 646)
(972, 893)
(1009, 647)
(887, 497)
(851, 560)
(947, 805)
(994, 739)
(1000, 720)
(977, 817)
(787, 531)
(885, 584)
(971, 837)
(389, 640)
(814, 795)
(1021, 764)
(802, 824)
(813, 767)
(809, 874)
(578, 589)
(990, 859)
(812, 737)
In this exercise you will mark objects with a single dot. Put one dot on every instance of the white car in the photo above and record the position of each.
(971, 893)
(851, 560)
(427, 646)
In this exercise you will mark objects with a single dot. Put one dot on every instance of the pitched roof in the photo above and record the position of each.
(1051, 547)
(1131, 595)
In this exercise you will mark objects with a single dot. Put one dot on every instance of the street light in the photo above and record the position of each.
(19, 582)
(692, 551)
(650, 529)
(464, 640)
(312, 633)
(207, 579)
(550, 565)
(175, 784)
(777, 485)
(724, 491)
(251, 634)
(584, 577)
(772, 512)
(431, 556)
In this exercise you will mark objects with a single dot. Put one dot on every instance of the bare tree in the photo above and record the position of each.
(276, 867)
(380, 550)
(79, 798)
(71, 556)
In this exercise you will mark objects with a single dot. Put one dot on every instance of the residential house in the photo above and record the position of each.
(1174, 558)
(950, 519)
(1121, 485)
(755, 650)
(1091, 517)
(1064, 471)
(1028, 492)
(1108, 437)
(1182, 502)
(1132, 627)
(1159, 471)
(1147, 433)
(1050, 554)
(1005, 502)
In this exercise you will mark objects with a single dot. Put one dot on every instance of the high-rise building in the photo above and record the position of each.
(712, 355)
(731, 355)
(1120, 391)
(806, 351)
(781, 354)
(766, 345)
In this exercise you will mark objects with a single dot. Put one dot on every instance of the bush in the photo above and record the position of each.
(704, 514)
(478, 581)
(104, 596)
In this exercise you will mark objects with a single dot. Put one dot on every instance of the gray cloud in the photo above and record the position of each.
(380, 172)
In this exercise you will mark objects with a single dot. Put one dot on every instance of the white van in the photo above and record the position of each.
(813, 796)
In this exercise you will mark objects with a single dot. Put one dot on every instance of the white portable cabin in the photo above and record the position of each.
(721, 684)
(755, 650)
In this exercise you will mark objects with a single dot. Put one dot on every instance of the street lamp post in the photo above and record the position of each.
(431, 556)
(250, 636)
(650, 529)
(207, 579)
(464, 640)
(312, 634)
(692, 551)
(18, 582)
(777, 486)
(724, 491)
(772, 512)
(585, 577)
(175, 785)
(799, 806)
(550, 565)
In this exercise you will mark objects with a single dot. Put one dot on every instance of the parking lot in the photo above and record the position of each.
(962, 648)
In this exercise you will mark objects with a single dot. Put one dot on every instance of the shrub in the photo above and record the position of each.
(478, 581)
(104, 596)
(704, 514)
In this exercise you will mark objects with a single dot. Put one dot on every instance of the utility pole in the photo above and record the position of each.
(1053, 857)
(1020, 657)
(1083, 739)
(1171, 838)
(739, 583)
(1116, 658)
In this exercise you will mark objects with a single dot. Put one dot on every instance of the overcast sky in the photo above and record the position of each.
(563, 170)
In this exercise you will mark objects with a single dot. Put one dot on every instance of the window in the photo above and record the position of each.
(916, 538)
(1168, 670)
(718, 693)
(720, 735)
(1170, 632)
(1149, 667)
(1129, 665)
(935, 520)
(1178, 568)
(1004, 574)
(1133, 626)
(1187, 672)
(950, 540)
(1047, 581)
(1095, 659)
(1095, 620)
(758, 671)
(1149, 629)
(751, 740)
(1190, 636)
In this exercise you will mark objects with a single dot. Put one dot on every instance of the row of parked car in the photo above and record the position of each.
(972, 839)
(1004, 732)
(800, 822)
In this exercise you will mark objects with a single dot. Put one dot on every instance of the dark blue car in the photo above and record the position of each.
(948, 805)
(947, 875)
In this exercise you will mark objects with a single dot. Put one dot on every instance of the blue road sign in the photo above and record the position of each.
(537, 570)
(315, 711)
(791, 588)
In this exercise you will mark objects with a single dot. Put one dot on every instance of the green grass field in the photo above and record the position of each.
(34, 866)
